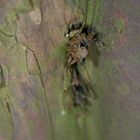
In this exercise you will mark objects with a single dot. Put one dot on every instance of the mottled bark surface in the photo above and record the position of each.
(32, 103)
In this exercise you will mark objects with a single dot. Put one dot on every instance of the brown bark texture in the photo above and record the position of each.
(32, 64)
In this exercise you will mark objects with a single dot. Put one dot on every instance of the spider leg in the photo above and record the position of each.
(88, 85)
(66, 84)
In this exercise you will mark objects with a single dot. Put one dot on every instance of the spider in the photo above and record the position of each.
(80, 37)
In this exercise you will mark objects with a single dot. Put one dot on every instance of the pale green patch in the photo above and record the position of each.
(120, 25)
(24, 6)
(123, 89)
(90, 12)
(59, 52)
(7, 41)
(134, 58)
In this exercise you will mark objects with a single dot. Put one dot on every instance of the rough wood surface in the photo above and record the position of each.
(32, 66)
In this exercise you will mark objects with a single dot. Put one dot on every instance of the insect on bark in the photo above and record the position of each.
(80, 37)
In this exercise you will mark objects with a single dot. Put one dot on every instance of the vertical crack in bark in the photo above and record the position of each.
(46, 100)
(2, 78)
(5, 103)
(5, 100)
(44, 90)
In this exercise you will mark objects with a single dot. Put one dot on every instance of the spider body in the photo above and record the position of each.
(77, 49)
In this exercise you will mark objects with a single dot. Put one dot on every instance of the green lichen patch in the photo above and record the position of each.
(24, 6)
(7, 41)
(59, 52)
(120, 25)
(90, 10)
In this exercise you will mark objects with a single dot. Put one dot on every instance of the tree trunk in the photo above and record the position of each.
(32, 61)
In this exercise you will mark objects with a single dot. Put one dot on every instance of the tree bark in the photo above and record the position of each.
(32, 61)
